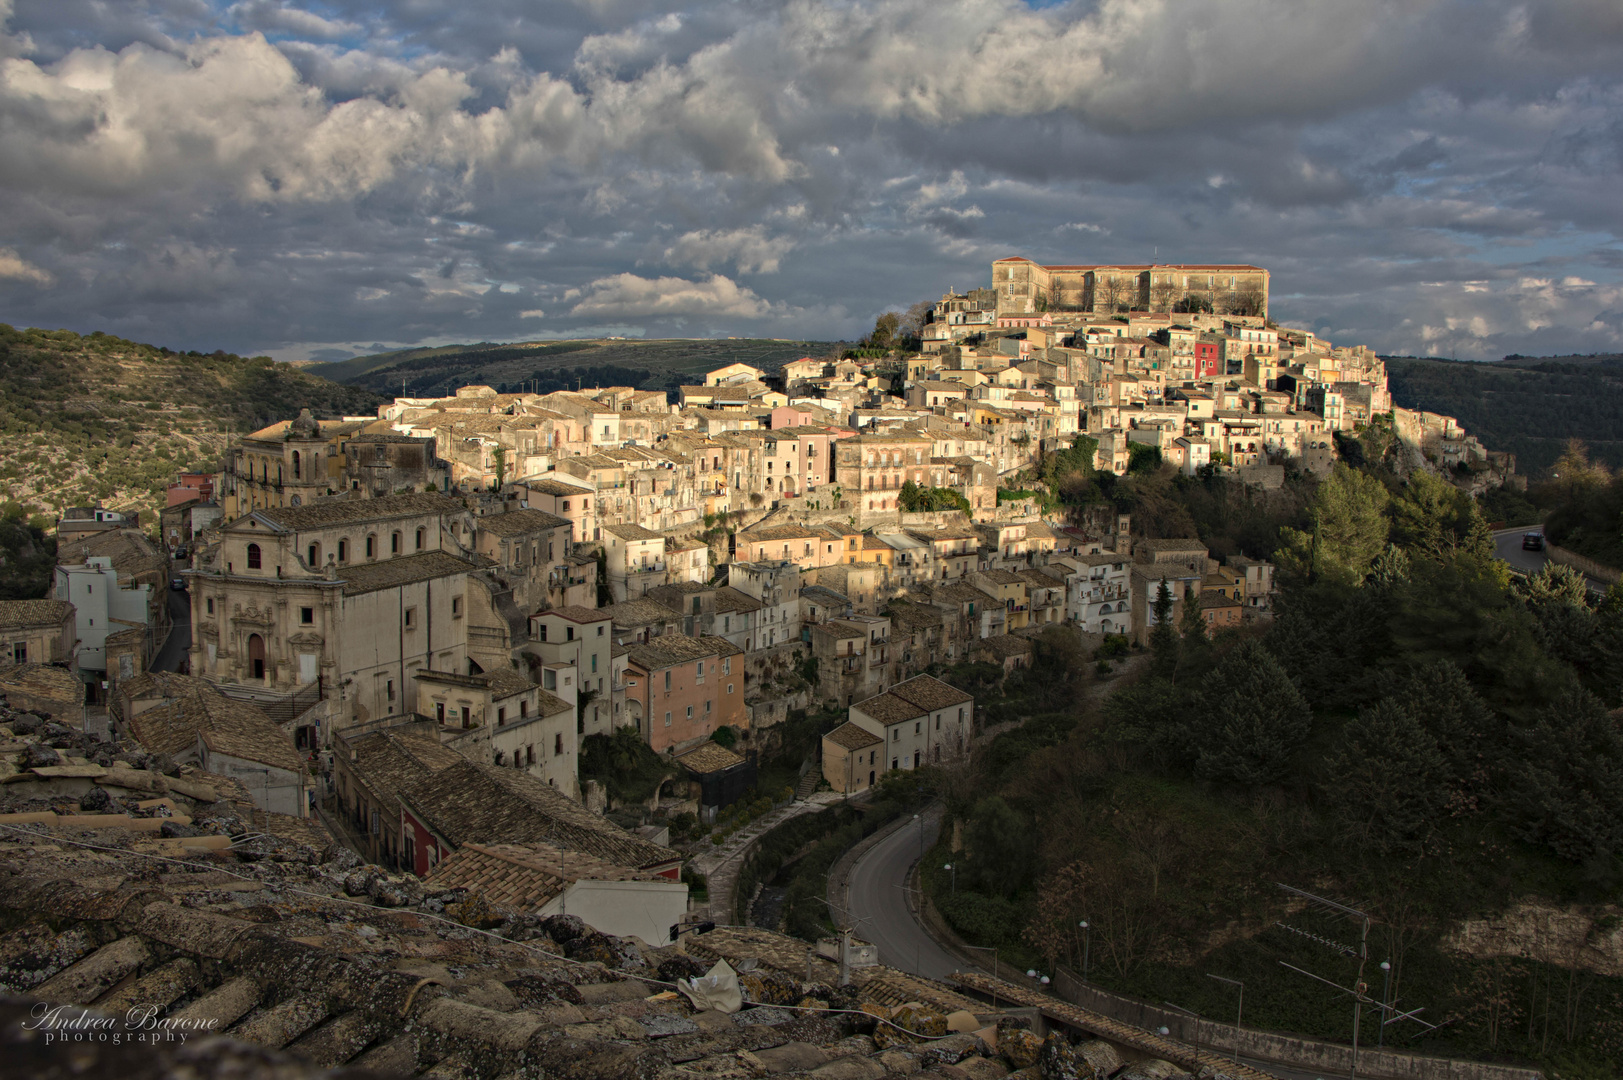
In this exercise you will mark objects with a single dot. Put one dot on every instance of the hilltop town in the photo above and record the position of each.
(385, 642)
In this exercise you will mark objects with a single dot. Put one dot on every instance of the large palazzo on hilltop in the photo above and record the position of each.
(1025, 287)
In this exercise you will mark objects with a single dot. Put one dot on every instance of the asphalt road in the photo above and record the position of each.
(1508, 546)
(879, 905)
(173, 653)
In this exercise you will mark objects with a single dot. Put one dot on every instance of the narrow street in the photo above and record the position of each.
(173, 653)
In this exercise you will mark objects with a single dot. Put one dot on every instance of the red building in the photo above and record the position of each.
(1208, 358)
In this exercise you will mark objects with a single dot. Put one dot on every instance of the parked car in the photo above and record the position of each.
(178, 584)
(1533, 541)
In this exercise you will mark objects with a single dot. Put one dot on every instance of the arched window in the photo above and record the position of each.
(394, 543)
(371, 546)
(314, 553)
(253, 556)
(419, 539)
(343, 550)
(297, 470)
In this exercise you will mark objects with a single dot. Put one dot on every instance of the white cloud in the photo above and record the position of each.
(273, 16)
(750, 250)
(630, 296)
(17, 268)
(532, 313)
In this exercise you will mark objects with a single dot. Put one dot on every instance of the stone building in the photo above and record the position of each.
(922, 721)
(342, 602)
(501, 718)
(1024, 287)
(36, 631)
(294, 462)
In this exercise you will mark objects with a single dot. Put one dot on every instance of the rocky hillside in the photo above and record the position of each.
(88, 418)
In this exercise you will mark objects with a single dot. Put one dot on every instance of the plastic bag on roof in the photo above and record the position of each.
(716, 989)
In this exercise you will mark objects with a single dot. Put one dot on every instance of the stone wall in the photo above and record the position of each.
(1598, 571)
(1322, 1057)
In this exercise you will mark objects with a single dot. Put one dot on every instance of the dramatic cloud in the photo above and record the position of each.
(290, 176)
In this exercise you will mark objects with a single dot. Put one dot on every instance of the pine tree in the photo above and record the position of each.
(1387, 779)
(1463, 726)
(1564, 778)
(1251, 720)
(1349, 531)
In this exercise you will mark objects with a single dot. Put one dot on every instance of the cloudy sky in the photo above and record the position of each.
(316, 178)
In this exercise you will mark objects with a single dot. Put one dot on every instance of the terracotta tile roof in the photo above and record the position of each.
(225, 726)
(639, 612)
(21, 613)
(668, 650)
(52, 684)
(777, 532)
(709, 757)
(632, 532)
(515, 522)
(852, 736)
(354, 511)
(1002, 646)
(930, 693)
(525, 877)
(730, 600)
(471, 802)
(1191, 544)
(579, 613)
(549, 486)
(407, 570)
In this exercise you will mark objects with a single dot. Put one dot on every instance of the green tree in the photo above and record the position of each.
(1163, 637)
(1002, 848)
(1191, 622)
(1462, 724)
(1390, 569)
(1250, 720)
(1386, 780)
(500, 456)
(1347, 531)
(1564, 775)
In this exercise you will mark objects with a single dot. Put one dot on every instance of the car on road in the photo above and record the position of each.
(1532, 541)
(178, 584)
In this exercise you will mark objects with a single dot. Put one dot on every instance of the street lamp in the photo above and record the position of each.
(1239, 1011)
(920, 820)
(1085, 941)
(1031, 973)
(954, 869)
(1386, 993)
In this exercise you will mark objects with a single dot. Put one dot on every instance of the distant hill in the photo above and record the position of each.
(1529, 406)
(556, 365)
(88, 418)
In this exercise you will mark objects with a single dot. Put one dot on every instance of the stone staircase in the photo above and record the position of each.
(808, 784)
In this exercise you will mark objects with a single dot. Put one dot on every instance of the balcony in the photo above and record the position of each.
(651, 568)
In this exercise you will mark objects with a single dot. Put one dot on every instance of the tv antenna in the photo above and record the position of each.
(1360, 989)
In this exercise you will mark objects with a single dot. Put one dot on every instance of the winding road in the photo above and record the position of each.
(1508, 546)
(879, 903)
